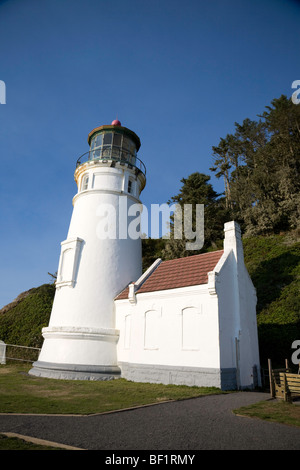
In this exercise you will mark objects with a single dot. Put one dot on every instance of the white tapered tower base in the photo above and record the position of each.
(76, 351)
(74, 371)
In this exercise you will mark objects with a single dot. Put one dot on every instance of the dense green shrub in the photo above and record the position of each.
(22, 324)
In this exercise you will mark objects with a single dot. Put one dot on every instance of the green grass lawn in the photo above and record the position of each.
(15, 443)
(22, 393)
(273, 410)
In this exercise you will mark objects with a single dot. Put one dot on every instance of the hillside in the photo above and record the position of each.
(22, 320)
(273, 263)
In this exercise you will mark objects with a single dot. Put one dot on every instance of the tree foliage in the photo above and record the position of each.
(196, 189)
(260, 164)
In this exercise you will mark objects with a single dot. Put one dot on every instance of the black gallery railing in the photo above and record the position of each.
(112, 154)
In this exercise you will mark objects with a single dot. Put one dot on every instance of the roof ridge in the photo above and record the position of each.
(192, 256)
(143, 278)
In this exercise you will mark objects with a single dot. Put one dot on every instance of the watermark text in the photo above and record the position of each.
(296, 354)
(124, 220)
(296, 94)
(2, 92)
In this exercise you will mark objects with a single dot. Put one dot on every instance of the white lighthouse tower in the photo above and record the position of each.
(98, 259)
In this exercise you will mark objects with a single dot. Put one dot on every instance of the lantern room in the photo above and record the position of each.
(112, 146)
(114, 142)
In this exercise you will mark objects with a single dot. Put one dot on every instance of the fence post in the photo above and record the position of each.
(2, 352)
(272, 389)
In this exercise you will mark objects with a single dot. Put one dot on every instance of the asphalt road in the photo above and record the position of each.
(205, 423)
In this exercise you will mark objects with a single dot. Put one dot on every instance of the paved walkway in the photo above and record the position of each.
(194, 424)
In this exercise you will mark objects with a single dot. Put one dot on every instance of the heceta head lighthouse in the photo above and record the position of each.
(80, 341)
(188, 321)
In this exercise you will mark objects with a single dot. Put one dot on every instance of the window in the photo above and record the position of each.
(127, 331)
(126, 143)
(68, 262)
(129, 190)
(191, 329)
(98, 140)
(66, 267)
(117, 140)
(151, 329)
(107, 138)
(106, 152)
(96, 153)
(115, 153)
(85, 183)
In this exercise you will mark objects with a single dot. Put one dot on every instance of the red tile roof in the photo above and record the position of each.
(179, 272)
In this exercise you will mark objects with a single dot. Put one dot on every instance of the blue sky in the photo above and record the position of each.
(179, 74)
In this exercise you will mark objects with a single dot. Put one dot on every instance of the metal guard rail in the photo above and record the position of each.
(105, 155)
(4, 356)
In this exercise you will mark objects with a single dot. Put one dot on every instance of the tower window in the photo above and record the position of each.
(85, 183)
(117, 140)
(69, 262)
(98, 140)
(129, 186)
(107, 138)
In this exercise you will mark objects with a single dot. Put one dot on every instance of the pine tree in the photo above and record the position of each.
(196, 189)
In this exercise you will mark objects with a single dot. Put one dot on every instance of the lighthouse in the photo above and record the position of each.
(97, 260)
